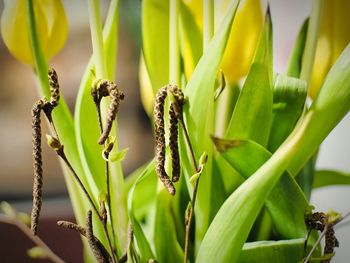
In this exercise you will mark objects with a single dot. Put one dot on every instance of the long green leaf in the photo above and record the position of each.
(331, 105)
(199, 115)
(155, 39)
(252, 116)
(287, 213)
(296, 57)
(286, 251)
(87, 133)
(136, 192)
(288, 103)
(327, 178)
(167, 247)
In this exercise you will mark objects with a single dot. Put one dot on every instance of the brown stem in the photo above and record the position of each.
(61, 153)
(38, 241)
(109, 203)
(194, 194)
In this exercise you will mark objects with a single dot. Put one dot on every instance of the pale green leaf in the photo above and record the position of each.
(324, 178)
(118, 156)
(286, 251)
(144, 186)
(167, 247)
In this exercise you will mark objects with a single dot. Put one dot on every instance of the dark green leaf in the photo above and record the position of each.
(295, 60)
(288, 103)
(252, 116)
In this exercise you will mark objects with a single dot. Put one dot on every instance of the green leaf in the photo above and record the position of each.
(155, 39)
(144, 186)
(288, 103)
(287, 213)
(327, 178)
(118, 156)
(199, 115)
(252, 116)
(87, 133)
(228, 231)
(295, 60)
(286, 251)
(37, 253)
(328, 109)
(167, 247)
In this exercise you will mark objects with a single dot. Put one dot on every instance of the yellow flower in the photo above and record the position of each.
(51, 25)
(333, 37)
(243, 38)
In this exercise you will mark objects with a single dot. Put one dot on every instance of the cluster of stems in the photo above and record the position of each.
(103, 89)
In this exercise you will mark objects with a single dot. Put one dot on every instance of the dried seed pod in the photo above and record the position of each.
(82, 231)
(97, 250)
(173, 144)
(37, 163)
(54, 87)
(116, 96)
(160, 139)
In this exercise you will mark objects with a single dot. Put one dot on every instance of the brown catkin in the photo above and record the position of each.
(82, 231)
(160, 139)
(95, 248)
(37, 163)
(116, 96)
(173, 144)
(54, 87)
(330, 243)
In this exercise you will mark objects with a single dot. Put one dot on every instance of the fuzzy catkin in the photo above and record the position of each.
(94, 245)
(160, 139)
(173, 144)
(82, 231)
(37, 163)
(111, 89)
(54, 87)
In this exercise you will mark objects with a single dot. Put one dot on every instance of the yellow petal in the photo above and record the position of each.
(243, 40)
(333, 37)
(51, 26)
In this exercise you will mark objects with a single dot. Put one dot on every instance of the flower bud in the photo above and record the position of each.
(51, 27)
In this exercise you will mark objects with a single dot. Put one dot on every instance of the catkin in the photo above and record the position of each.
(109, 88)
(54, 87)
(160, 139)
(92, 240)
(82, 231)
(37, 163)
(173, 144)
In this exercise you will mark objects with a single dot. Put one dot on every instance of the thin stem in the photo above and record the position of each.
(64, 158)
(109, 203)
(208, 22)
(188, 142)
(38, 241)
(316, 244)
(311, 40)
(194, 194)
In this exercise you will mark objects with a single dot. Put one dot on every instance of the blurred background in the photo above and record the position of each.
(18, 92)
